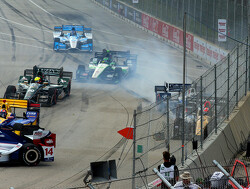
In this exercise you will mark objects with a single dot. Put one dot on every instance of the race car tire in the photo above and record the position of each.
(10, 91)
(56, 40)
(30, 154)
(90, 41)
(118, 74)
(21, 96)
(69, 88)
(80, 70)
(52, 98)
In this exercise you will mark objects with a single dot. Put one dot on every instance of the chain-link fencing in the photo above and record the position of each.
(208, 102)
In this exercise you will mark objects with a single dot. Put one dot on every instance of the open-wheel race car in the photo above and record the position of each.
(108, 66)
(21, 138)
(41, 85)
(72, 37)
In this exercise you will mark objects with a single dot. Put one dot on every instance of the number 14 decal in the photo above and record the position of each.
(48, 151)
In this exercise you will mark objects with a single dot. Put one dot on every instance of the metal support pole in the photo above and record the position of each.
(163, 179)
(246, 66)
(237, 76)
(228, 84)
(168, 129)
(215, 101)
(235, 4)
(134, 149)
(228, 175)
(183, 87)
(201, 107)
(242, 20)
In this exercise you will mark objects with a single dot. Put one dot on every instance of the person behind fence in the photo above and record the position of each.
(168, 169)
(186, 182)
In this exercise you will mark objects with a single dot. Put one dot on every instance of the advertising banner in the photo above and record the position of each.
(154, 25)
(222, 30)
(146, 21)
(166, 31)
(200, 47)
(178, 36)
(190, 42)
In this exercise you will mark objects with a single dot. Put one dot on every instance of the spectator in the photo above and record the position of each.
(168, 169)
(186, 183)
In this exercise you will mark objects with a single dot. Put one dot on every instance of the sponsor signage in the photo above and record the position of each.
(222, 30)
(177, 87)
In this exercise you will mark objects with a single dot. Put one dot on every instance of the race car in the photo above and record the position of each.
(27, 143)
(9, 116)
(37, 86)
(109, 66)
(72, 37)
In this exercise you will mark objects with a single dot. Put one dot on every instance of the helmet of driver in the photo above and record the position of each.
(38, 80)
(3, 113)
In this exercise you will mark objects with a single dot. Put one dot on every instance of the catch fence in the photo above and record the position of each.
(208, 102)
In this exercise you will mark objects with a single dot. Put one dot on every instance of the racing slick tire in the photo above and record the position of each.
(30, 154)
(52, 97)
(56, 40)
(68, 88)
(117, 74)
(10, 91)
(80, 70)
(90, 41)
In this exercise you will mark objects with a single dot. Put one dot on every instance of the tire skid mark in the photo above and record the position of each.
(84, 102)
(25, 17)
(43, 36)
(13, 39)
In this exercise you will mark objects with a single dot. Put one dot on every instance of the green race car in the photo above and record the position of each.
(109, 66)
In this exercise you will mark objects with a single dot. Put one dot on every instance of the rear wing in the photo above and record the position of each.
(47, 72)
(79, 28)
(57, 28)
(13, 103)
(160, 89)
(117, 54)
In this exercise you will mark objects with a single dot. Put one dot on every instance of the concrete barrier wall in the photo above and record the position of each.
(228, 141)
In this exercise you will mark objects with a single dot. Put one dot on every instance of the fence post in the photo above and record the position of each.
(246, 67)
(215, 100)
(201, 111)
(237, 76)
(228, 84)
(168, 129)
(134, 149)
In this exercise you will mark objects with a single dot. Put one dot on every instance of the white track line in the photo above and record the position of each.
(27, 45)
(13, 22)
(28, 38)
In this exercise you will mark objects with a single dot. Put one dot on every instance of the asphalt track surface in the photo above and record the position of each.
(87, 122)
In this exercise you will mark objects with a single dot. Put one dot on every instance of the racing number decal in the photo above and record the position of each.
(48, 151)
